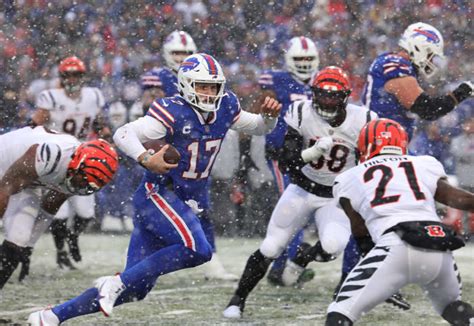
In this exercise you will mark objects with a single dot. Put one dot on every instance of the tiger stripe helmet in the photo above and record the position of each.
(96, 162)
(382, 137)
(72, 65)
(331, 90)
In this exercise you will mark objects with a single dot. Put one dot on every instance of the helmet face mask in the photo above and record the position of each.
(302, 58)
(177, 46)
(382, 137)
(331, 91)
(92, 166)
(425, 45)
(195, 73)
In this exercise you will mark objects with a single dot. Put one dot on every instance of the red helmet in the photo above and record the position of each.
(382, 136)
(72, 65)
(331, 90)
(93, 165)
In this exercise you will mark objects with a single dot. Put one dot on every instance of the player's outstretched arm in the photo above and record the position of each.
(270, 107)
(453, 196)
(19, 175)
(409, 93)
(52, 201)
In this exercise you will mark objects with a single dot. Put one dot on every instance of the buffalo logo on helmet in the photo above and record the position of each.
(431, 36)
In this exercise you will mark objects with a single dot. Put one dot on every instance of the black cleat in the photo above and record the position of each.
(399, 301)
(63, 260)
(274, 277)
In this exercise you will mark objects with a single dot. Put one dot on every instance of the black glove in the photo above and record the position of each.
(365, 244)
(463, 91)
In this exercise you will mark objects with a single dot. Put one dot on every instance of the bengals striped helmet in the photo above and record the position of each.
(382, 137)
(72, 65)
(331, 90)
(92, 166)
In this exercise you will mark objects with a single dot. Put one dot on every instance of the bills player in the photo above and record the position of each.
(168, 235)
(319, 144)
(176, 47)
(380, 196)
(36, 159)
(393, 91)
(76, 110)
(287, 86)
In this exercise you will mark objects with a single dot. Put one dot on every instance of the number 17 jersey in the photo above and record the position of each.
(389, 189)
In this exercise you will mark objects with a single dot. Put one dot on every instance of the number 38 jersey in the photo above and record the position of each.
(302, 117)
(72, 116)
(387, 190)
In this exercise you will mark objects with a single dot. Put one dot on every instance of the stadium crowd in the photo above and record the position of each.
(119, 40)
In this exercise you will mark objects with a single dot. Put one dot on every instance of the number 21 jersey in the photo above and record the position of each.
(72, 116)
(390, 189)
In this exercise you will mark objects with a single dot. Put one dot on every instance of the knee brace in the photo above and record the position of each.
(337, 319)
(458, 313)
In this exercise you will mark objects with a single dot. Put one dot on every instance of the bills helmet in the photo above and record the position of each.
(301, 57)
(382, 136)
(92, 166)
(331, 90)
(177, 46)
(201, 68)
(425, 45)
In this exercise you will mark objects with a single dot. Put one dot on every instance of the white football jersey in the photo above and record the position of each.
(72, 116)
(53, 153)
(302, 117)
(387, 190)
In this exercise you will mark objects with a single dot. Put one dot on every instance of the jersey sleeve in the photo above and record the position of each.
(395, 67)
(344, 186)
(433, 170)
(294, 115)
(99, 97)
(161, 110)
(45, 100)
(266, 81)
(47, 162)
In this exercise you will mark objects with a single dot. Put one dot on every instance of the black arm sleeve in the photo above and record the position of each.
(289, 155)
(432, 108)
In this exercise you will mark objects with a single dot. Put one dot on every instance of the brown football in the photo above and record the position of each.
(172, 155)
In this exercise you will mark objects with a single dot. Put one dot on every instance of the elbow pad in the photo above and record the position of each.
(432, 108)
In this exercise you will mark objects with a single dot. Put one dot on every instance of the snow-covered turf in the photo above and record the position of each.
(185, 298)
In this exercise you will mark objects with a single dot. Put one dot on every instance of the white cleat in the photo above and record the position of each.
(214, 270)
(291, 273)
(232, 312)
(110, 287)
(45, 317)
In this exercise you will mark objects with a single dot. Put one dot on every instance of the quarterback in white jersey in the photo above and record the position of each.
(34, 158)
(326, 128)
(75, 110)
(390, 199)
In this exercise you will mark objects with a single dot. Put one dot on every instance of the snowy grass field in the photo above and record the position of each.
(185, 298)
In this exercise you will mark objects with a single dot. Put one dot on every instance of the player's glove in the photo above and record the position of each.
(322, 146)
(463, 91)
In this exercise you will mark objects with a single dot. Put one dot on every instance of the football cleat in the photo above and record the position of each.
(235, 308)
(110, 288)
(63, 260)
(45, 317)
(274, 277)
(399, 301)
(214, 270)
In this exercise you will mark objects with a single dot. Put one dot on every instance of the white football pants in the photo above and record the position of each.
(83, 206)
(293, 212)
(391, 265)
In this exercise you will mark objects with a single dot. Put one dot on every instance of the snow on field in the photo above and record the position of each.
(185, 298)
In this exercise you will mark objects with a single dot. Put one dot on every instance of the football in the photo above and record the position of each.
(172, 155)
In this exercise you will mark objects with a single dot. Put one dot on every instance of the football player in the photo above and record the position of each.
(34, 158)
(77, 110)
(393, 91)
(319, 144)
(287, 86)
(390, 200)
(168, 235)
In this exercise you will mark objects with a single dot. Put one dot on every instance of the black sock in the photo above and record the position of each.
(59, 232)
(10, 255)
(255, 269)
